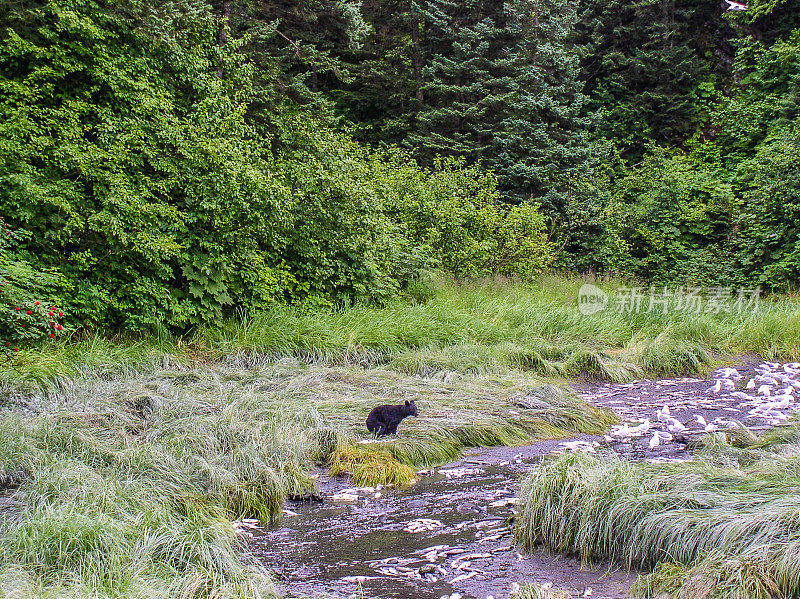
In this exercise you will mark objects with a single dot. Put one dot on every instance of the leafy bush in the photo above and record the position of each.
(769, 238)
(27, 314)
(662, 217)
(456, 212)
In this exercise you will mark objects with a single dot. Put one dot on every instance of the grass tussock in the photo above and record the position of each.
(540, 591)
(370, 467)
(725, 525)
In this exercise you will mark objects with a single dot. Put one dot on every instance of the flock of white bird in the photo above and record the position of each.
(775, 386)
(769, 395)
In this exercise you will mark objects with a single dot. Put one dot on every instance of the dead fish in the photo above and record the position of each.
(505, 502)
(478, 556)
(422, 525)
(357, 579)
(241, 526)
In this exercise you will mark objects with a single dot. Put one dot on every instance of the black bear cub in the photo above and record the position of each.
(383, 420)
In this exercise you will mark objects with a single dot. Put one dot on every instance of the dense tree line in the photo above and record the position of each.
(169, 162)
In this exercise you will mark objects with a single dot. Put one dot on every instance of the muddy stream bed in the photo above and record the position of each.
(450, 535)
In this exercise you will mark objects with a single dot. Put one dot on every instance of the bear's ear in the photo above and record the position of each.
(407, 403)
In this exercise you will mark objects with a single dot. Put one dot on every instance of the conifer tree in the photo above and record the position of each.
(465, 79)
(501, 89)
(541, 144)
(641, 70)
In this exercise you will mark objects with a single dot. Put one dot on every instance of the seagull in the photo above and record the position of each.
(740, 395)
(655, 441)
(716, 388)
(765, 390)
(700, 420)
(675, 426)
(621, 430)
(641, 429)
(663, 414)
(751, 384)
(727, 384)
(783, 402)
(710, 428)
(728, 373)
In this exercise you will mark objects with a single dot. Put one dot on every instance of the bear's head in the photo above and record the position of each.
(411, 408)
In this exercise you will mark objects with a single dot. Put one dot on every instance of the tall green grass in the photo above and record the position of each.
(478, 328)
(725, 525)
(127, 488)
(474, 328)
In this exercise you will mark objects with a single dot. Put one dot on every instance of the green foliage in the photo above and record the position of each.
(769, 238)
(641, 70)
(150, 172)
(174, 165)
(668, 219)
(766, 99)
(541, 144)
(142, 186)
(500, 88)
(723, 213)
(29, 312)
(455, 212)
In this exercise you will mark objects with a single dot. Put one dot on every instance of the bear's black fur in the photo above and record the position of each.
(383, 420)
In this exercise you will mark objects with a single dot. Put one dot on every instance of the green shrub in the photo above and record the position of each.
(28, 312)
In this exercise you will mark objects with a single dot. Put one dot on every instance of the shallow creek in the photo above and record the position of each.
(450, 535)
